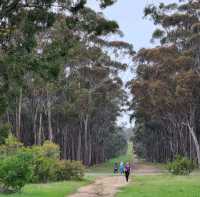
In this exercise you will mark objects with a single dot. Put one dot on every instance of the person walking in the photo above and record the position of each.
(115, 168)
(121, 167)
(127, 171)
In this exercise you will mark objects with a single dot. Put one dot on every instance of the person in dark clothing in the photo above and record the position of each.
(127, 171)
(115, 168)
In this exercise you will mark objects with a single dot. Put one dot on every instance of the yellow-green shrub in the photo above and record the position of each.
(48, 149)
(11, 146)
(67, 170)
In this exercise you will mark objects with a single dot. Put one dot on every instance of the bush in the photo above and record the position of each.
(67, 170)
(45, 162)
(4, 131)
(11, 146)
(38, 164)
(51, 150)
(48, 150)
(15, 172)
(44, 170)
(181, 166)
(48, 170)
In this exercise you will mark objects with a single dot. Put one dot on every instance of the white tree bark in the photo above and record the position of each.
(196, 143)
(18, 116)
(39, 141)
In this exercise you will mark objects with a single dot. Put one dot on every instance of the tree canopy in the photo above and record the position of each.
(57, 79)
(166, 89)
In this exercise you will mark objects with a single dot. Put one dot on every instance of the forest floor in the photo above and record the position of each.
(152, 180)
(147, 180)
(107, 184)
(164, 185)
(59, 189)
(144, 168)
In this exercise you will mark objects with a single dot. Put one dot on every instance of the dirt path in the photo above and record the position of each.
(102, 187)
(107, 185)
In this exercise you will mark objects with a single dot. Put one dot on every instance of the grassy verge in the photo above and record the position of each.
(107, 167)
(61, 189)
(162, 186)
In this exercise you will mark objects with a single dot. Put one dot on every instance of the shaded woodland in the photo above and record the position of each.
(166, 94)
(58, 79)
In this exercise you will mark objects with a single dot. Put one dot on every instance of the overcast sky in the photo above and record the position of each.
(137, 31)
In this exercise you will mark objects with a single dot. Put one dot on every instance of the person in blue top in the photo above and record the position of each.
(121, 167)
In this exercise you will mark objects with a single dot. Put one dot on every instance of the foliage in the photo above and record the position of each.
(44, 162)
(4, 132)
(69, 170)
(41, 163)
(166, 87)
(11, 146)
(119, 145)
(15, 172)
(181, 166)
(48, 149)
(43, 170)
(105, 3)
(49, 170)
(58, 78)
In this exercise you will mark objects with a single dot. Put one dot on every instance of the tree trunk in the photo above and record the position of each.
(85, 138)
(79, 147)
(89, 151)
(196, 143)
(49, 117)
(39, 141)
(65, 144)
(35, 124)
(73, 147)
(8, 116)
(18, 116)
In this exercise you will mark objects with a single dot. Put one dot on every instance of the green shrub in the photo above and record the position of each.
(4, 132)
(45, 162)
(11, 146)
(48, 149)
(15, 172)
(69, 170)
(181, 166)
(48, 170)
(44, 170)
(42, 163)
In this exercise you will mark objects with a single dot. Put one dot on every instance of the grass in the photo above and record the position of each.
(107, 167)
(162, 186)
(60, 189)
(161, 166)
